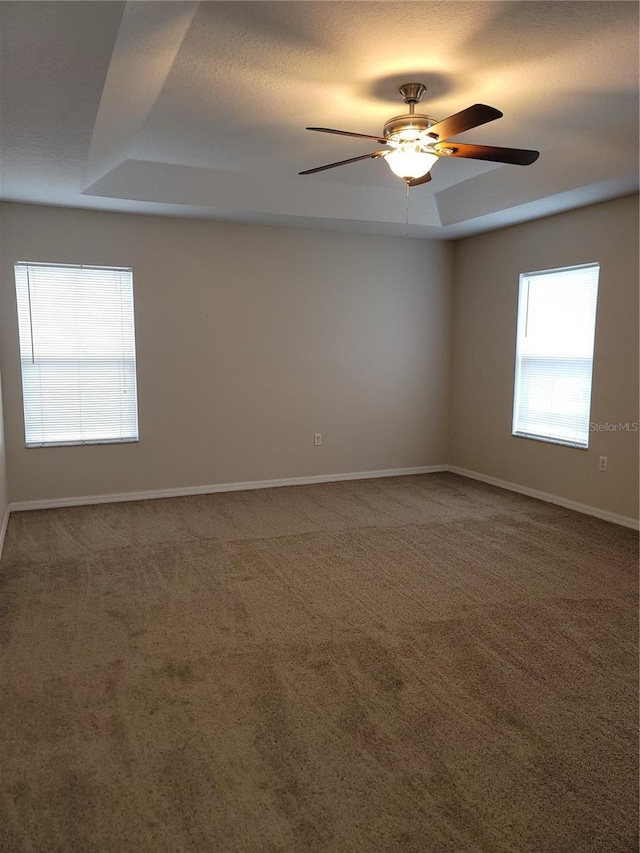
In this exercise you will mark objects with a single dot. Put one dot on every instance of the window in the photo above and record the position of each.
(554, 354)
(77, 351)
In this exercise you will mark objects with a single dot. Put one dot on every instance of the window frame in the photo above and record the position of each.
(78, 442)
(517, 389)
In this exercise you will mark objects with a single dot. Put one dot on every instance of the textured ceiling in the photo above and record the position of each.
(199, 109)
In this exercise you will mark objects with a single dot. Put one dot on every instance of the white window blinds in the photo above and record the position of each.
(77, 350)
(554, 354)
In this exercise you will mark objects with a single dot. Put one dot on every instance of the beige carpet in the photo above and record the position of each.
(409, 664)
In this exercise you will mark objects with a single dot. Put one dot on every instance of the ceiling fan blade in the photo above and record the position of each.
(379, 139)
(464, 120)
(371, 156)
(417, 181)
(516, 156)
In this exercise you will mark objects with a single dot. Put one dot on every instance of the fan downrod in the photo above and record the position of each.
(412, 92)
(398, 127)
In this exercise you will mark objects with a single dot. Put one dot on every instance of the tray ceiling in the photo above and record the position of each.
(199, 109)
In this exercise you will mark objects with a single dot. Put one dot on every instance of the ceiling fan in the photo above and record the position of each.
(416, 141)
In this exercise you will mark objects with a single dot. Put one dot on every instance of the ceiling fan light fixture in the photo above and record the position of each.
(410, 161)
(416, 140)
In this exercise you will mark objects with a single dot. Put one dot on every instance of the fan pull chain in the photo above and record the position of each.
(406, 217)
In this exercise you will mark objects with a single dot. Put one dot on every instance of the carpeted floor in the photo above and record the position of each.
(410, 664)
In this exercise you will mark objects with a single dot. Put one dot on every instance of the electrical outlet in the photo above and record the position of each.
(602, 465)
(317, 439)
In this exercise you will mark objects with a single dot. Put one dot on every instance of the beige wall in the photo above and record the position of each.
(249, 340)
(486, 291)
(4, 492)
(4, 496)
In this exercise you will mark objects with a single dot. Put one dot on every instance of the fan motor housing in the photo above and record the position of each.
(403, 127)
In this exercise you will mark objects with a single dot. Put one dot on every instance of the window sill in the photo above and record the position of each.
(33, 445)
(547, 440)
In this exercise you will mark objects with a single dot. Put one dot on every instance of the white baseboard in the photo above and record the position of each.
(605, 515)
(3, 530)
(85, 500)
